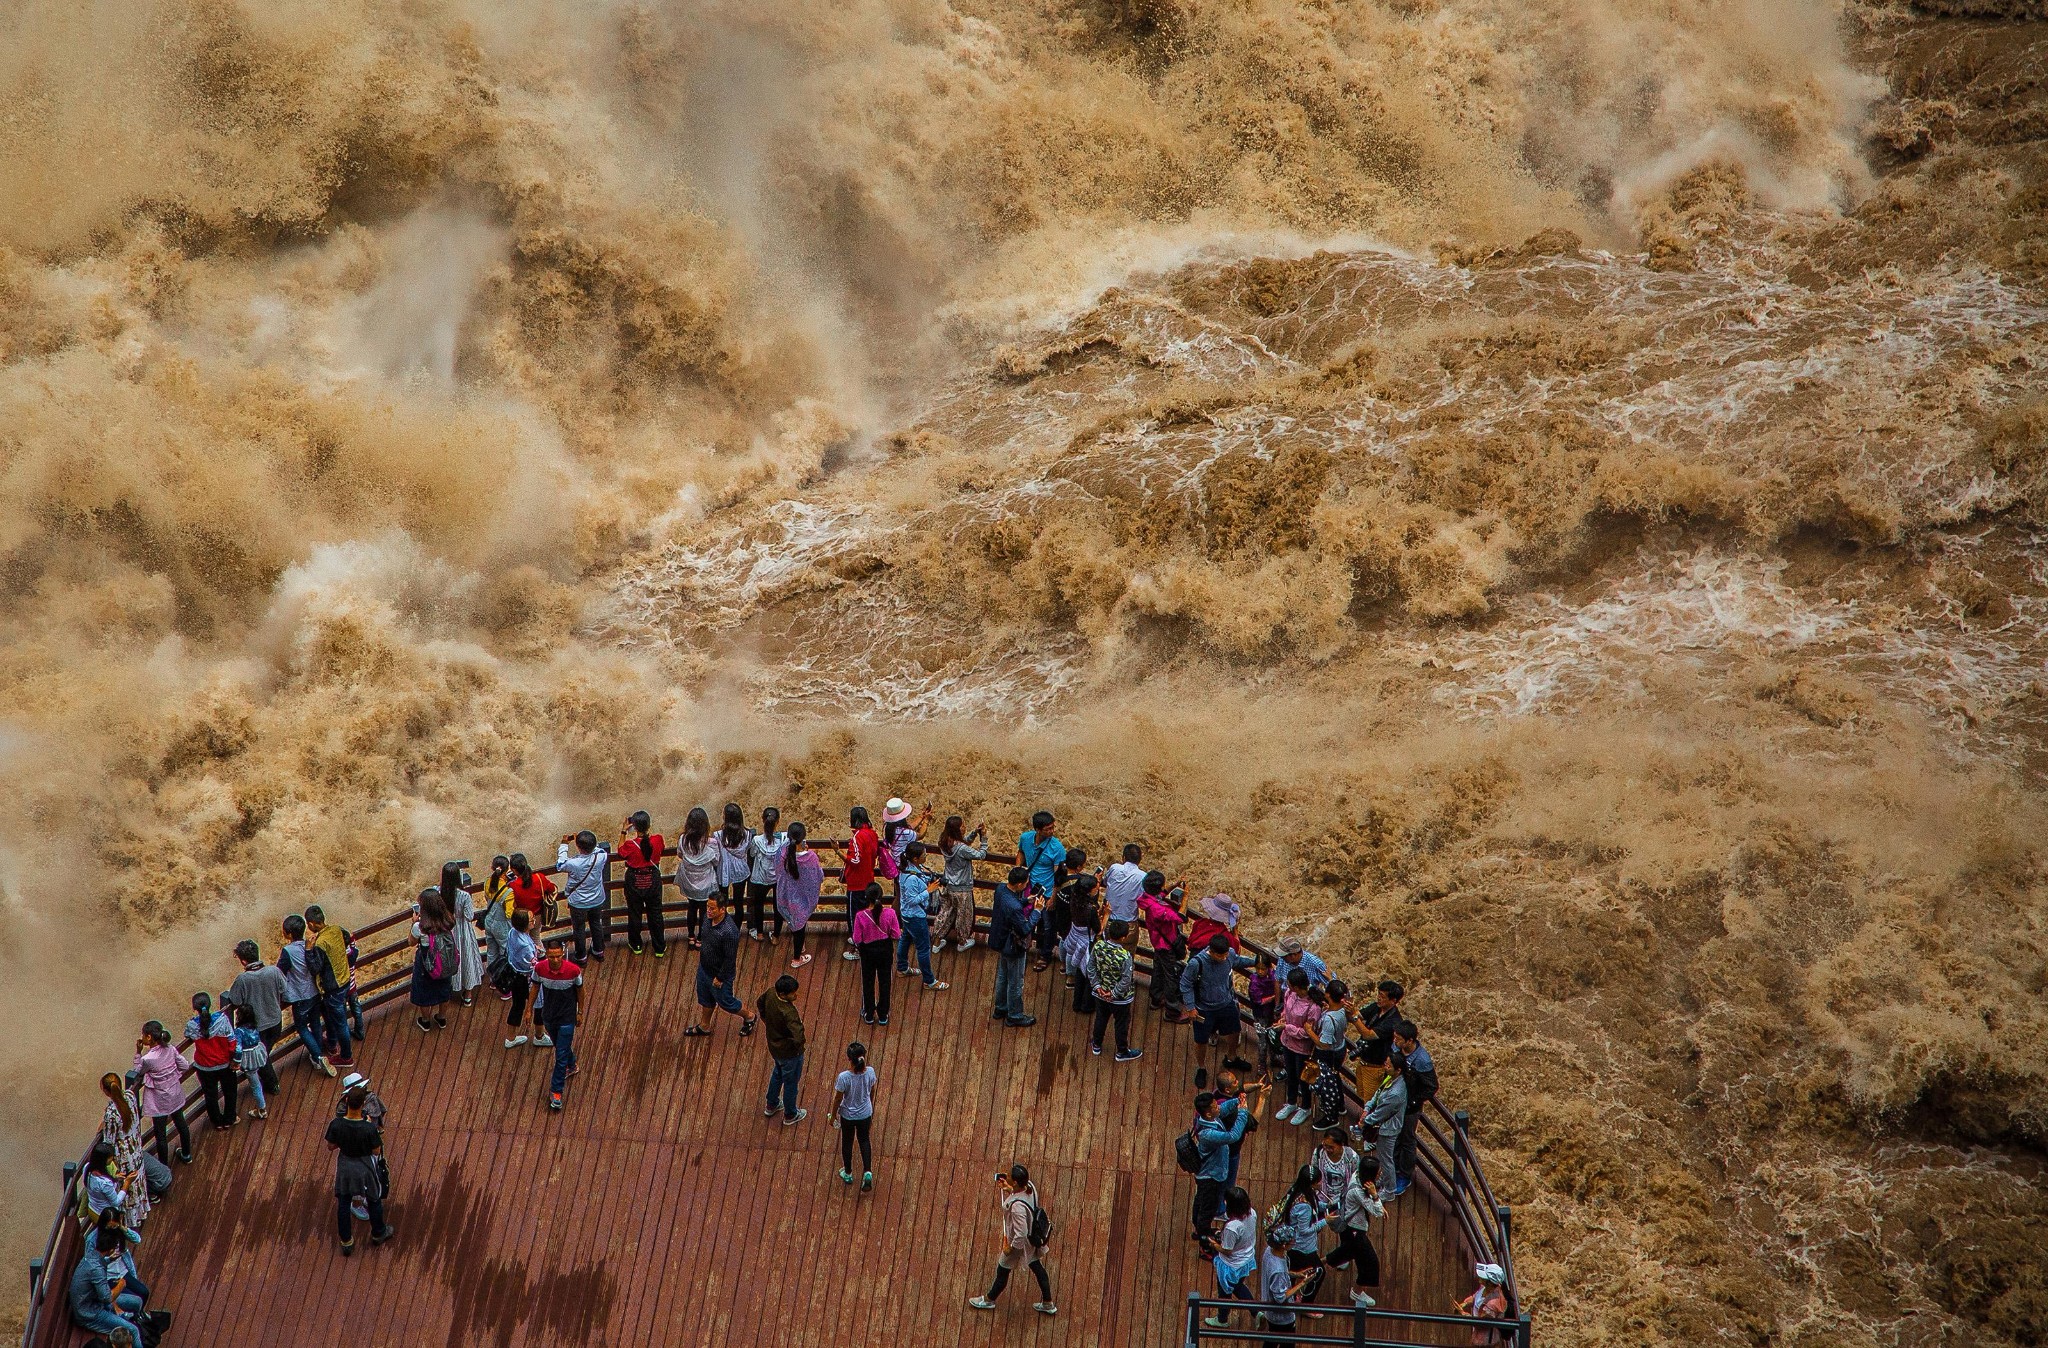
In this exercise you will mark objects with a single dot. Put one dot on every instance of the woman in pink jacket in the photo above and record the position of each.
(162, 1091)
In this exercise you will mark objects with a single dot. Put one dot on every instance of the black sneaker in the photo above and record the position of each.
(1019, 1022)
(379, 1237)
(1129, 1054)
(1095, 1050)
(634, 947)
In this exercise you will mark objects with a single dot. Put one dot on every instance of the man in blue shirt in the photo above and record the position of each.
(1205, 985)
(1218, 1127)
(1040, 852)
(1293, 957)
(913, 908)
(1009, 935)
(1421, 1087)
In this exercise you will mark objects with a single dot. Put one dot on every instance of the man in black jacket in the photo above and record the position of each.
(718, 967)
(1378, 1022)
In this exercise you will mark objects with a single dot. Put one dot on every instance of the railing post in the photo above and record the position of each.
(1522, 1331)
(1461, 1127)
(1194, 1336)
(1358, 1323)
(35, 1276)
(1503, 1221)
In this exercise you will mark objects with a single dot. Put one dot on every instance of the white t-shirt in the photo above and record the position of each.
(1121, 886)
(1239, 1243)
(859, 1091)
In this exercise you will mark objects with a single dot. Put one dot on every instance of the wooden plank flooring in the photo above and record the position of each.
(661, 1207)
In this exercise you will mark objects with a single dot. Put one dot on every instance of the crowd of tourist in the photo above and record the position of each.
(1279, 1025)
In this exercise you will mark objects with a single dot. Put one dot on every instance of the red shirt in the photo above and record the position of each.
(860, 858)
(528, 894)
(636, 853)
(1205, 927)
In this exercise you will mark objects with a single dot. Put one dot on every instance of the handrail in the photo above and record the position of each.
(1460, 1179)
(1514, 1328)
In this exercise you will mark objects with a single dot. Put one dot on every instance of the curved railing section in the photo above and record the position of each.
(1443, 1152)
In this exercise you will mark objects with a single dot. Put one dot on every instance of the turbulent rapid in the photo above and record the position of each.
(1545, 499)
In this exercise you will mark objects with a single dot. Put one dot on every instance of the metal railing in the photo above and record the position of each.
(1444, 1154)
(1353, 1326)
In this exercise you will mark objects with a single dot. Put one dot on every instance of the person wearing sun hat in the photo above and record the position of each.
(373, 1110)
(1489, 1301)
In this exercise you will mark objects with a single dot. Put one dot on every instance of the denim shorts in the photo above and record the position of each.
(710, 992)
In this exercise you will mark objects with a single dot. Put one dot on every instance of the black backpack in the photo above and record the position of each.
(1186, 1154)
(1041, 1225)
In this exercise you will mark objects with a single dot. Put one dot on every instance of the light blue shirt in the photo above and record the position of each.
(1317, 971)
(914, 890)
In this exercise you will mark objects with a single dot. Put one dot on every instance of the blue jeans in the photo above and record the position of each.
(565, 1055)
(711, 992)
(306, 1018)
(1010, 986)
(782, 1084)
(334, 1011)
(917, 935)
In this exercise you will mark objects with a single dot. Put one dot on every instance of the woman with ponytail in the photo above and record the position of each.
(801, 878)
(853, 1112)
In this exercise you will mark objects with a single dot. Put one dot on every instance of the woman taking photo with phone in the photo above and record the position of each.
(697, 862)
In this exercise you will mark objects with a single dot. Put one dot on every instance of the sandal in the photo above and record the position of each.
(936, 986)
(1040, 966)
(696, 1032)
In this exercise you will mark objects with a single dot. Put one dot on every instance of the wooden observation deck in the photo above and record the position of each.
(661, 1207)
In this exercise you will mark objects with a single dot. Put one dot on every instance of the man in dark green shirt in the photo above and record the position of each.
(785, 1027)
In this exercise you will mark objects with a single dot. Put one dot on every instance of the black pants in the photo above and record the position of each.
(693, 917)
(1354, 1251)
(1404, 1150)
(643, 902)
(217, 1086)
(1105, 1012)
(594, 924)
(995, 1289)
(1300, 1262)
(163, 1123)
(796, 942)
(267, 1074)
(1291, 1064)
(874, 979)
(346, 1221)
(522, 988)
(1208, 1202)
(1165, 981)
(762, 914)
(1084, 996)
(849, 1131)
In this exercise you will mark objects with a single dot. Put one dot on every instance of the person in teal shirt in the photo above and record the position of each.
(1041, 852)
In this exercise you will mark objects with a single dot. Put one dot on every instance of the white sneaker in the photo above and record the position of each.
(967, 944)
(849, 954)
(541, 1041)
(1300, 1116)
(515, 1041)
(1361, 1299)
(1045, 1308)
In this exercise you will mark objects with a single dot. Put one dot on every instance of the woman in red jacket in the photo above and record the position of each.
(213, 1058)
(857, 862)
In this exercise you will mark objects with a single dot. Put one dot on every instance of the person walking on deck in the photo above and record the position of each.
(718, 968)
(1351, 1219)
(641, 850)
(1281, 1286)
(1234, 1253)
(961, 849)
(784, 1026)
(876, 930)
(561, 996)
(357, 1143)
(1009, 935)
(913, 911)
(1205, 985)
(1027, 1232)
(800, 879)
(1113, 969)
(259, 989)
(853, 1113)
(583, 872)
